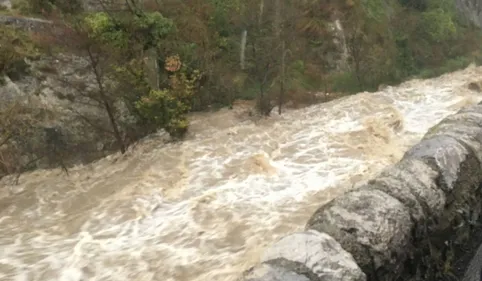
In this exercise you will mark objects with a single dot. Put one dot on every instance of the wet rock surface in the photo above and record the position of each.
(315, 255)
(373, 226)
(474, 269)
(308, 255)
(267, 272)
(419, 219)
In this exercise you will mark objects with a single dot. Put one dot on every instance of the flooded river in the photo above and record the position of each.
(204, 209)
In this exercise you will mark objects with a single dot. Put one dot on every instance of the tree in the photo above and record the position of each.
(167, 108)
(80, 36)
(119, 47)
(266, 51)
(21, 143)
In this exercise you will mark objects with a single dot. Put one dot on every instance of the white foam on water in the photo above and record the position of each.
(204, 209)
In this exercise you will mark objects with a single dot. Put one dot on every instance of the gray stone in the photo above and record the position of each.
(316, 255)
(266, 272)
(474, 270)
(7, 4)
(447, 155)
(465, 126)
(460, 179)
(470, 11)
(25, 23)
(373, 226)
(413, 183)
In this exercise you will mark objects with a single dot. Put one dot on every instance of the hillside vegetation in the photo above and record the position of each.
(152, 62)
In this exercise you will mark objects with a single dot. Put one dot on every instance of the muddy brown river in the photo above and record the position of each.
(204, 209)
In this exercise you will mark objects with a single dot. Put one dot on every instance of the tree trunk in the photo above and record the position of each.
(242, 55)
(282, 80)
(261, 12)
(105, 102)
(115, 128)
(278, 27)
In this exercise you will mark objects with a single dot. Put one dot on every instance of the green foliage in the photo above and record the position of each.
(438, 25)
(449, 66)
(420, 5)
(223, 10)
(147, 29)
(447, 6)
(167, 108)
(376, 9)
(132, 36)
(15, 46)
(153, 26)
(345, 82)
(104, 29)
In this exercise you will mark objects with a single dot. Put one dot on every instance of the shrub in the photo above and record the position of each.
(15, 46)
(167, 108)
(438, 25)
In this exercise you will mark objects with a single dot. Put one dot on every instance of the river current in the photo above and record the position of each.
(205, 208)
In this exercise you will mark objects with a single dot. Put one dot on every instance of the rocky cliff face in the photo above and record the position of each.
(5, 3)
(470, 10)
(53, 88)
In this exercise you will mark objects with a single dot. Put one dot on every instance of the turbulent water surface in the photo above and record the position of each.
(204, 209)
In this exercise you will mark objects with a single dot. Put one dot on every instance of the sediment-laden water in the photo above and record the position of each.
(204, 209)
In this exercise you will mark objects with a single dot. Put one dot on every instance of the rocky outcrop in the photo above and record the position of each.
(5, 4)
(470, 11)
(56, 89)
(408, 223)
(474, 270)
(26, 23)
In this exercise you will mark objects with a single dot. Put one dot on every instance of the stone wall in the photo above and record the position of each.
(408, 223)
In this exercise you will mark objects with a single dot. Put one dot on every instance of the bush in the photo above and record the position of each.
(345, 82)
(449, 66)
(167, 108)
(438, 25)
(420, 5)
(15, 46)
(17, 137)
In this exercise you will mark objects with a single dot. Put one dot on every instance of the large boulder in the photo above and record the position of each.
(453, 148)
(413, 183)
(465, 126)
(266, 272)
(454, 151)
(370, 224)
(310, 256)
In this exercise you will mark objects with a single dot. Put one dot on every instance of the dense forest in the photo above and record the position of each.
(152, 62)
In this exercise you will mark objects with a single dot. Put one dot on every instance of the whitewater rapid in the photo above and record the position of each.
(204, 209)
